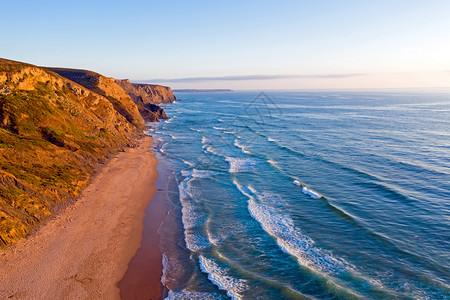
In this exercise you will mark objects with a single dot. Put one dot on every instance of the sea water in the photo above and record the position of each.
(297, 195)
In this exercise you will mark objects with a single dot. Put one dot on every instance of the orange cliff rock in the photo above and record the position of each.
(146, 97)
(54, 130)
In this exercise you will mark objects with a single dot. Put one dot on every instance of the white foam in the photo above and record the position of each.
(297, 182)
(218, 128)
(273, 163)
(222, 279)
(306, 190)
(271, 140)
(196, 242)
(204, 140)
(198, 173)
(166, 268)
(191, 217)
(187, 163)
(163, 147)
(243, 189)
(186, 295)
(195, 129)
(313, 194)
(242, 147)
(292, 241)
(238, 165)
(212, 150)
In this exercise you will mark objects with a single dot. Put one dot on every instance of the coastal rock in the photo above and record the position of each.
(147, 97)
(106, 87)
(147, 93)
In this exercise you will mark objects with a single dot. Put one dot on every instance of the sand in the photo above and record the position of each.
(84, 251)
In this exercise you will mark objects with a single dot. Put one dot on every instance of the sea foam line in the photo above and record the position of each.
(306, 190)
(290, 239)
(191, 218)
(222, 279)
(242, 147)
(238, 165)
(186, 295)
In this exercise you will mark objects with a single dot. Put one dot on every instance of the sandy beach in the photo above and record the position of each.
(85, 251)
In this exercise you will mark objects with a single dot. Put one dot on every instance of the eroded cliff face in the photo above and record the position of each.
(147, 97)
(147, 93)
(106, 87)
(157, 93)
(53, 132)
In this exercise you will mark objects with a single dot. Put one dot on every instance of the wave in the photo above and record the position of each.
(218, 128)
(195, 241)
(306, 190)
(186, 295)
(269, 139)
(297, 182)
(242, 147)
(211, 150)
(205, 140)
(195, 173)
(191, 218)
(293, 242)
(222, 278)
(238, 165)
(166, 269)
(195, 129)
(273, 163)
(162, 147)
(187, 163)
(313, 194)
(290, 239)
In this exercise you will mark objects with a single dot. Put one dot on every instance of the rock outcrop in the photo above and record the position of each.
(56, 125)
(148, 93)
(106, 87)
(146, 97)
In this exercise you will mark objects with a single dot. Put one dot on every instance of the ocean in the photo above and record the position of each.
(308, 195)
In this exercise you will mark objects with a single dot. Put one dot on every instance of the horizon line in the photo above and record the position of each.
(254, 77)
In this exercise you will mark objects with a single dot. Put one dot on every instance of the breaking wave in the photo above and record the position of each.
(290, 239)
(239, 165)
(222, 279)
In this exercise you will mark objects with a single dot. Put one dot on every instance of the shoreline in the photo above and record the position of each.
(142, 279)
(70, 255)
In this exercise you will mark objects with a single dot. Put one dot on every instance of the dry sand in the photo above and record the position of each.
(84, 252)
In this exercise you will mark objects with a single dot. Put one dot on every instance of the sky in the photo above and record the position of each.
(238, 44)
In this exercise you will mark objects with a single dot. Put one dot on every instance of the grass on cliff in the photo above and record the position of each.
(45, 156)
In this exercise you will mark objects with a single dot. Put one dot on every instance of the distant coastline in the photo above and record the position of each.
(202, 90)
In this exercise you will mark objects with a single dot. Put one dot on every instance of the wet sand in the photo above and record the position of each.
(85, 251)
(142, 280)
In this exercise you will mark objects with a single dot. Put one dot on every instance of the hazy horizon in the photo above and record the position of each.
(239, 45)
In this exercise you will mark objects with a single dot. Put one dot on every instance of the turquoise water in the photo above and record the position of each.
(296, 195)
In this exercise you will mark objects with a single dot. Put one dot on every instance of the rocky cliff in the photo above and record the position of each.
(155, 94)
(54, 130)
(146, 97)
(106, 87)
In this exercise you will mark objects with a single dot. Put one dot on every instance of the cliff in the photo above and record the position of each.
(55, 127)
(156, 94)
(146, 97)
(106, 87)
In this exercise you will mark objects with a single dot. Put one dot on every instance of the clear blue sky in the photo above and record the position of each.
(238, 44)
